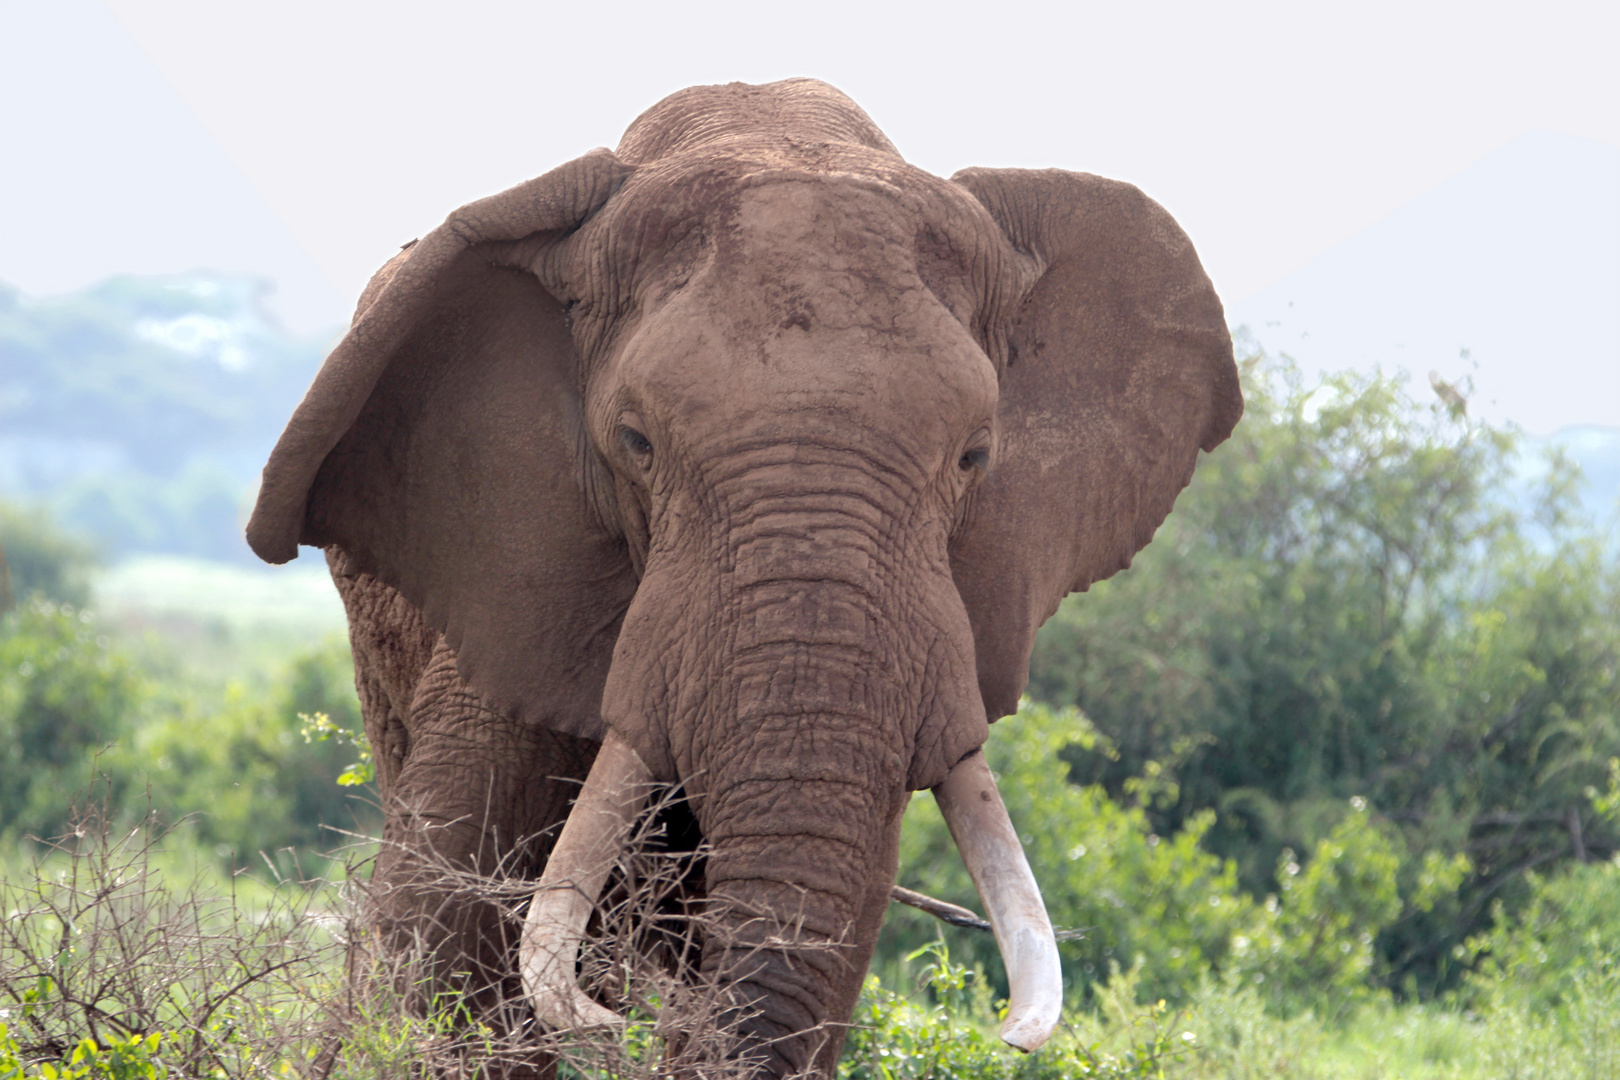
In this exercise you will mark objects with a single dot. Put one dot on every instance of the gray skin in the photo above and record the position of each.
(763, 448)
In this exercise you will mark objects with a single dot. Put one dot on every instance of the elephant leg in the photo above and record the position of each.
(466, 791)
(392, 645)
(478, 794)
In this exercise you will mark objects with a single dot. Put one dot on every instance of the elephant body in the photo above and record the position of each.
(763, 453)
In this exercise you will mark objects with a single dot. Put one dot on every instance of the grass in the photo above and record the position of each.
(123, 958)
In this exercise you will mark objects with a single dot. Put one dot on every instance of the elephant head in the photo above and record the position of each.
(761, 454)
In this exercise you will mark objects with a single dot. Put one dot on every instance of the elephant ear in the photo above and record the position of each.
(1119, 371)
(442, 448)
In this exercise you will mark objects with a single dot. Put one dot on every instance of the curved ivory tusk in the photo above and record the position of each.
(995, 858)
(590, 843)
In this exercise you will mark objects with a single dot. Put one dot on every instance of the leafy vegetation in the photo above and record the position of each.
(76, 706)
(66, 698)
(44, 560)
(1349, 602)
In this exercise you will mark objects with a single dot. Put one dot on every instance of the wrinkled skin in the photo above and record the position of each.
(762, 448)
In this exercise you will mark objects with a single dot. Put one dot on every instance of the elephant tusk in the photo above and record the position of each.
(984, 834)
(590, 843)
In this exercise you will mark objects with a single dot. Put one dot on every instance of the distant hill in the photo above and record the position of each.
(141, 410)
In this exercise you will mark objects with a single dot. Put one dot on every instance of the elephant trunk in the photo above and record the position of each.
(797, 668)
(797, 884)
(799, 777)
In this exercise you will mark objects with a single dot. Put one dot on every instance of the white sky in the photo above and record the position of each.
(1507, 275)
(306, 141)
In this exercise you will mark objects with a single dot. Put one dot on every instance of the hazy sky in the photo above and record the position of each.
(1507, 275)
(306, 141)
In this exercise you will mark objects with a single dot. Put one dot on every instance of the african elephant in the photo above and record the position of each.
(754, 456)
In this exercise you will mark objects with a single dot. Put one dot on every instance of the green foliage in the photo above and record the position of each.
(132, 1057)
(73, 705)
(1607, 803)
(248, 773)
(1548, 979)
(1103, 868)
(1567, 936)
(318, 727)
(1166, 907)
(1330, 911)
(66, 696)
(896, 1038)
(1352, 600)
(1314, 948)
(111, 971)
(44, 560)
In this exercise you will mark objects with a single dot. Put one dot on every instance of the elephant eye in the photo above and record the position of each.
(635, 442)
(977, 458)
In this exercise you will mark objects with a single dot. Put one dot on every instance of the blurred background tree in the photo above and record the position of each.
(66, 699)
(85, 705)
(44, 560)
(1355, 599)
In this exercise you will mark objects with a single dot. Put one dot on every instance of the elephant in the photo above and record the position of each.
(745, 459)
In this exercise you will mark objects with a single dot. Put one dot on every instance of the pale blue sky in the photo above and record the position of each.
(1507, 274)
(1416, 178)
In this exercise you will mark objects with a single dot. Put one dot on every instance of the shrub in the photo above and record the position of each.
(895, 1038)
(251, 776)
(1566, 938)
(1355, 597)
(110, 973)
(1104, 872)
(1165, 907)
(66, 695)
(44, 561)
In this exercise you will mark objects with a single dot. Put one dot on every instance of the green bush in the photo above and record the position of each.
(110, 969)
(66, 697)
(132, 1057)
(1354, 599)
(1547, 983)
(1165, 906)
(1567, 936)
(1315, 947)
(43, 560)
(74, 706)
(951, 1038)
(251, 778)
(1103, 869)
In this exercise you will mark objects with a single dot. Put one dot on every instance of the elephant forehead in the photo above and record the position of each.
(768, 209)
(816, 342)
(838, 218)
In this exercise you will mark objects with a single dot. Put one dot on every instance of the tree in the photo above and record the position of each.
(43, 559)
(66, 698)
(1352, 600)
(247, 774)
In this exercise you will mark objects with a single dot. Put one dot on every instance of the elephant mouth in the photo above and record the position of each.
(598, 828)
